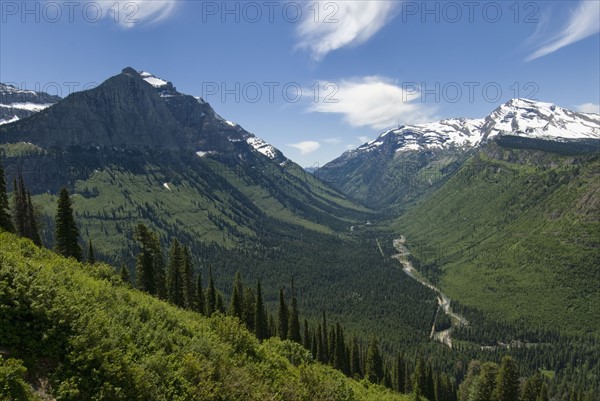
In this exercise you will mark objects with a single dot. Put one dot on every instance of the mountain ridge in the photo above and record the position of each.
(404, 162)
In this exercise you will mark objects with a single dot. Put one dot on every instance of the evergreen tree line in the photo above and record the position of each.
(23, 220)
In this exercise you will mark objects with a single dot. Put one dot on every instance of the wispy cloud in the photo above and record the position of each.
(588, 108)
(130, 13)
(306, 147)
(333, 141)
(376, 102)
(330, 25)
(583, 22)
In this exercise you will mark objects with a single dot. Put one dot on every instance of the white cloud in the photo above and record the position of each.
(330, 25)
(130, 13)
(306, 147)
(588, 108)
(333, 141)
(376, 102)
(583, 22)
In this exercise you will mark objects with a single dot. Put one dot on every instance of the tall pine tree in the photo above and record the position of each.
(149, 265)
(187, 277)
(200, 303)
(91, 257)
(33, 230)
(283, 316)
(6, 223)
(211, 295)
(124, 274)
(374, 363)
(24, 214)
(67, 233)
(507, 381)
(261, 323)
(294, 322)
(174, 279)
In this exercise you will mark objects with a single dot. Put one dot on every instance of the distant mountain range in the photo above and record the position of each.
(371, 172)
(17, 103)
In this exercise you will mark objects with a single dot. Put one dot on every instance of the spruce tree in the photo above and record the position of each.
(420, 376)
(320, 347)
(261, 324)
(67, 233)
(200, 303)
(240, 289)
(483, 385)
(429, 390)
(294, 323)
(32, 226)
(374, 363)
(283, 316)
(235, 306)
(399, 373)
(473, 371)
(124, 274)
(25, 223)
(507, 381)
(160, 281)
(19, 206)
(211, 295)
(325, 340)
(6, 223)
(355, 366)
(220, 306)
(187, 276)
(306, 336)
(174, 279)
(91, 258)
(148, 261)
(249, 308)
(313, 345)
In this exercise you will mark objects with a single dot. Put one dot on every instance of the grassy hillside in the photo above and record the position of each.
(516, 234)
(85, 336)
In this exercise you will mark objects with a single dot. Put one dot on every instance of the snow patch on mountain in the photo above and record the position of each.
(9, 120)
(28, 106)
(153, 80)
(262, 147)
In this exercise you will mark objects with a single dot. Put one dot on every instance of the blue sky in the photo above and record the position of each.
(315, 78)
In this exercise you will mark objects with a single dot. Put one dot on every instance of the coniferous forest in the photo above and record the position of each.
(161, 323)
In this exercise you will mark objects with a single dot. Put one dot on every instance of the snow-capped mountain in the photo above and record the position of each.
(517, 117)
(540, 120)
(456, 132)
(401, 161)
(17, 103)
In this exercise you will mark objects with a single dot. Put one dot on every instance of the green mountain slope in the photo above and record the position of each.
(516, 233)
(83, 335)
